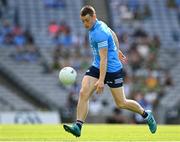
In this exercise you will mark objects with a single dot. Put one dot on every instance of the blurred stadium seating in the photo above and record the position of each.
(38, 38)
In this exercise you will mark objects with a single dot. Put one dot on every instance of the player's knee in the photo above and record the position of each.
(83, 94)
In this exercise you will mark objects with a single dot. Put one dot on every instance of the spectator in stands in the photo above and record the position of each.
(31, 53)
(143, 50)
(63, 26)
(16, 30)
(135, 60)
(155, 44)
(25, 46)
(168, 81)
(151, 62)
(125, 13)
(142, 13)
(29, 37)
(19, 42)
(4, 3)
(139, 32)
(65, 45)
(146, 12)
(6, 33)
(56, 56)
(171, 3)
(19, 39)
(152, 82)
(62, 34)
(53, 28)
(66, 37)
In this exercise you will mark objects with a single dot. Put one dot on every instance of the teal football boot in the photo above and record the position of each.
(74, 129)
(151, 122)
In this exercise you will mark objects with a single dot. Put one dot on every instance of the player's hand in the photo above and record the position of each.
(123, 58)
(99, 86)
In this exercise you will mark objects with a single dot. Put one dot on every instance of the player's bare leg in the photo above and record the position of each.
(121, 101)
(87, 89)
(86, 92)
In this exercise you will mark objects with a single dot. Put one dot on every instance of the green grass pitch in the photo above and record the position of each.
(90, 132)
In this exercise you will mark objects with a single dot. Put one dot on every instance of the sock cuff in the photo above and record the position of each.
(145, 114)
(79, 121)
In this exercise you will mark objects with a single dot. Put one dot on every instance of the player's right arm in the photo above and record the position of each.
(122, 57)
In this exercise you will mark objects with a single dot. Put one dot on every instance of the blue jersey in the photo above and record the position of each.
(100, 37)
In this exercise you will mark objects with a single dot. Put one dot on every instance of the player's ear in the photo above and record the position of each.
(94, 16)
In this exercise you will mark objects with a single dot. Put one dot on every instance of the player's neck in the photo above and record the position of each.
(93, 25)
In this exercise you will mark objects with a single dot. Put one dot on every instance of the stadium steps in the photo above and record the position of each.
(30, 74)
(14, 101)
(11, 99)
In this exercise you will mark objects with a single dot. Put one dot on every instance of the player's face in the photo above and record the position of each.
(88, 21)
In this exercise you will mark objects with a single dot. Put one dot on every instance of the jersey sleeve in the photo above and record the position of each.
(101, 39)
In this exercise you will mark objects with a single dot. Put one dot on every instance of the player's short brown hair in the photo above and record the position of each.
(87, 9)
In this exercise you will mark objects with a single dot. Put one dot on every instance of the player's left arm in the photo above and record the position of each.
(121, 56)
(103, 63)
(101, 38)
(103, 67)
